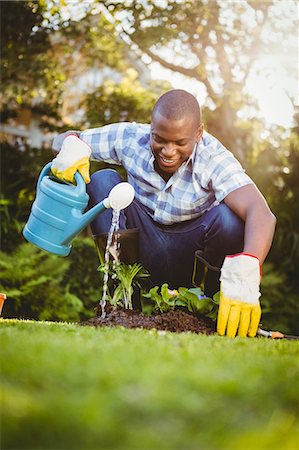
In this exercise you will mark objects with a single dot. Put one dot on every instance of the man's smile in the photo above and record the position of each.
(168, 161)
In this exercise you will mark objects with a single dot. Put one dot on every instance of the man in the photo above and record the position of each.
(191, 194)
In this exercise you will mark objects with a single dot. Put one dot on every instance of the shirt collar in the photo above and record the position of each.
(191, 158)
(152, 158)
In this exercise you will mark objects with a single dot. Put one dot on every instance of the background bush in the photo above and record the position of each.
(43, 286)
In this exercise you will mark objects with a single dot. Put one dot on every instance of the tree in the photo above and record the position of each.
(213, 42)
(42, 53)
(124, 101)
(30, 73)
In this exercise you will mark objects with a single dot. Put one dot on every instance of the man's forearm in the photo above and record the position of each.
(249, 204)
(259, 232)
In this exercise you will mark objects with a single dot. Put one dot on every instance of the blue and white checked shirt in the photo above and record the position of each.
(210, 174)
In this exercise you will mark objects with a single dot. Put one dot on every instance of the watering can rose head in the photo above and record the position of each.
(120, 196)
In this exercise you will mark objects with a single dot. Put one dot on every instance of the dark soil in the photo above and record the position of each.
(175, 321)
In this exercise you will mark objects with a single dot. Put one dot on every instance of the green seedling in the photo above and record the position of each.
(163, 299)
(159, 299)
(197, 302)
(125, 278)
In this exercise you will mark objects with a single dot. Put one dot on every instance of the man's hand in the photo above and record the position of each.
(73, 156)
(239, 309)
(58, 140)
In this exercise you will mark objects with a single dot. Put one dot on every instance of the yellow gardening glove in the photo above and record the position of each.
(73, 156)
(239, 308)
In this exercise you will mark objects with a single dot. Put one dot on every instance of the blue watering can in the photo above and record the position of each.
(57, 213)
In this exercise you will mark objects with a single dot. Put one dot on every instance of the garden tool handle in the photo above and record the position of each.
(276, 335)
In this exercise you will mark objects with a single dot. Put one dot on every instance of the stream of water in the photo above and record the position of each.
(112, 247)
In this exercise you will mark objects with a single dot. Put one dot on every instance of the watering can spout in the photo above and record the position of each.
(79, 221)
(119, 198)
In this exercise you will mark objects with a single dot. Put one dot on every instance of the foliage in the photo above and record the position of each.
(30, 71)
(83, 27)
(193, 299)
(128, 277)
(276, 172)
(44, 49)
(32, 281)
(197, 302)
(286, 206)
(43, 286)
(125, 277)
(82, 276)
(279, 301)
(88, 388)
(121, 102)
(19, 174)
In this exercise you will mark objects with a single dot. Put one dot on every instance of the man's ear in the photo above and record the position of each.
(199, 133)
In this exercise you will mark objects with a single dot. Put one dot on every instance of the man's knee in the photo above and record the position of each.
(105, 176)
(101, 183)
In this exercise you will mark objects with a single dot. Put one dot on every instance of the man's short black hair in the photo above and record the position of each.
(177, 104)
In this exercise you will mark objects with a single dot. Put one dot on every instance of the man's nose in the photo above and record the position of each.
(168, 148)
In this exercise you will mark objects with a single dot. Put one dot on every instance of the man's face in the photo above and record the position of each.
(172, 142)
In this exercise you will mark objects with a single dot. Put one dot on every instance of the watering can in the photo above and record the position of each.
(57, 216)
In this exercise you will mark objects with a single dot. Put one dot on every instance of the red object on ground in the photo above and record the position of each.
(2, 299)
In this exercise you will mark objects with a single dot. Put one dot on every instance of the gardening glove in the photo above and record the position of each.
(239, 308)
(73, 156)
(58, 140)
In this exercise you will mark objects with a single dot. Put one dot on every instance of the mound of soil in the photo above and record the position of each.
(176, 321)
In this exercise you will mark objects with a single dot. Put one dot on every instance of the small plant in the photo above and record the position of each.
(125, 278)
(163, 299)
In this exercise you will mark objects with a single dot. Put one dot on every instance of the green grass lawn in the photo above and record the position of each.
(69, 387)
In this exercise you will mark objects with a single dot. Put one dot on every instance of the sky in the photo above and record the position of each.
(273, 91)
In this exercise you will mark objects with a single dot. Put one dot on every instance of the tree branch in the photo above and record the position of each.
(202, 76)
(196, 72)
(174, 67)
(256, 43)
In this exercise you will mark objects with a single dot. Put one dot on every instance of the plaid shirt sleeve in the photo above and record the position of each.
(108, 142)
(223, 173)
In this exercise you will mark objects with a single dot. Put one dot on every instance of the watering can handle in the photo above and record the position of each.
(45, 171)
(80, 183)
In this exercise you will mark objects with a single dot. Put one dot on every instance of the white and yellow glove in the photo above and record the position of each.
(73, 156)
(58, 140)
(239, 308)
